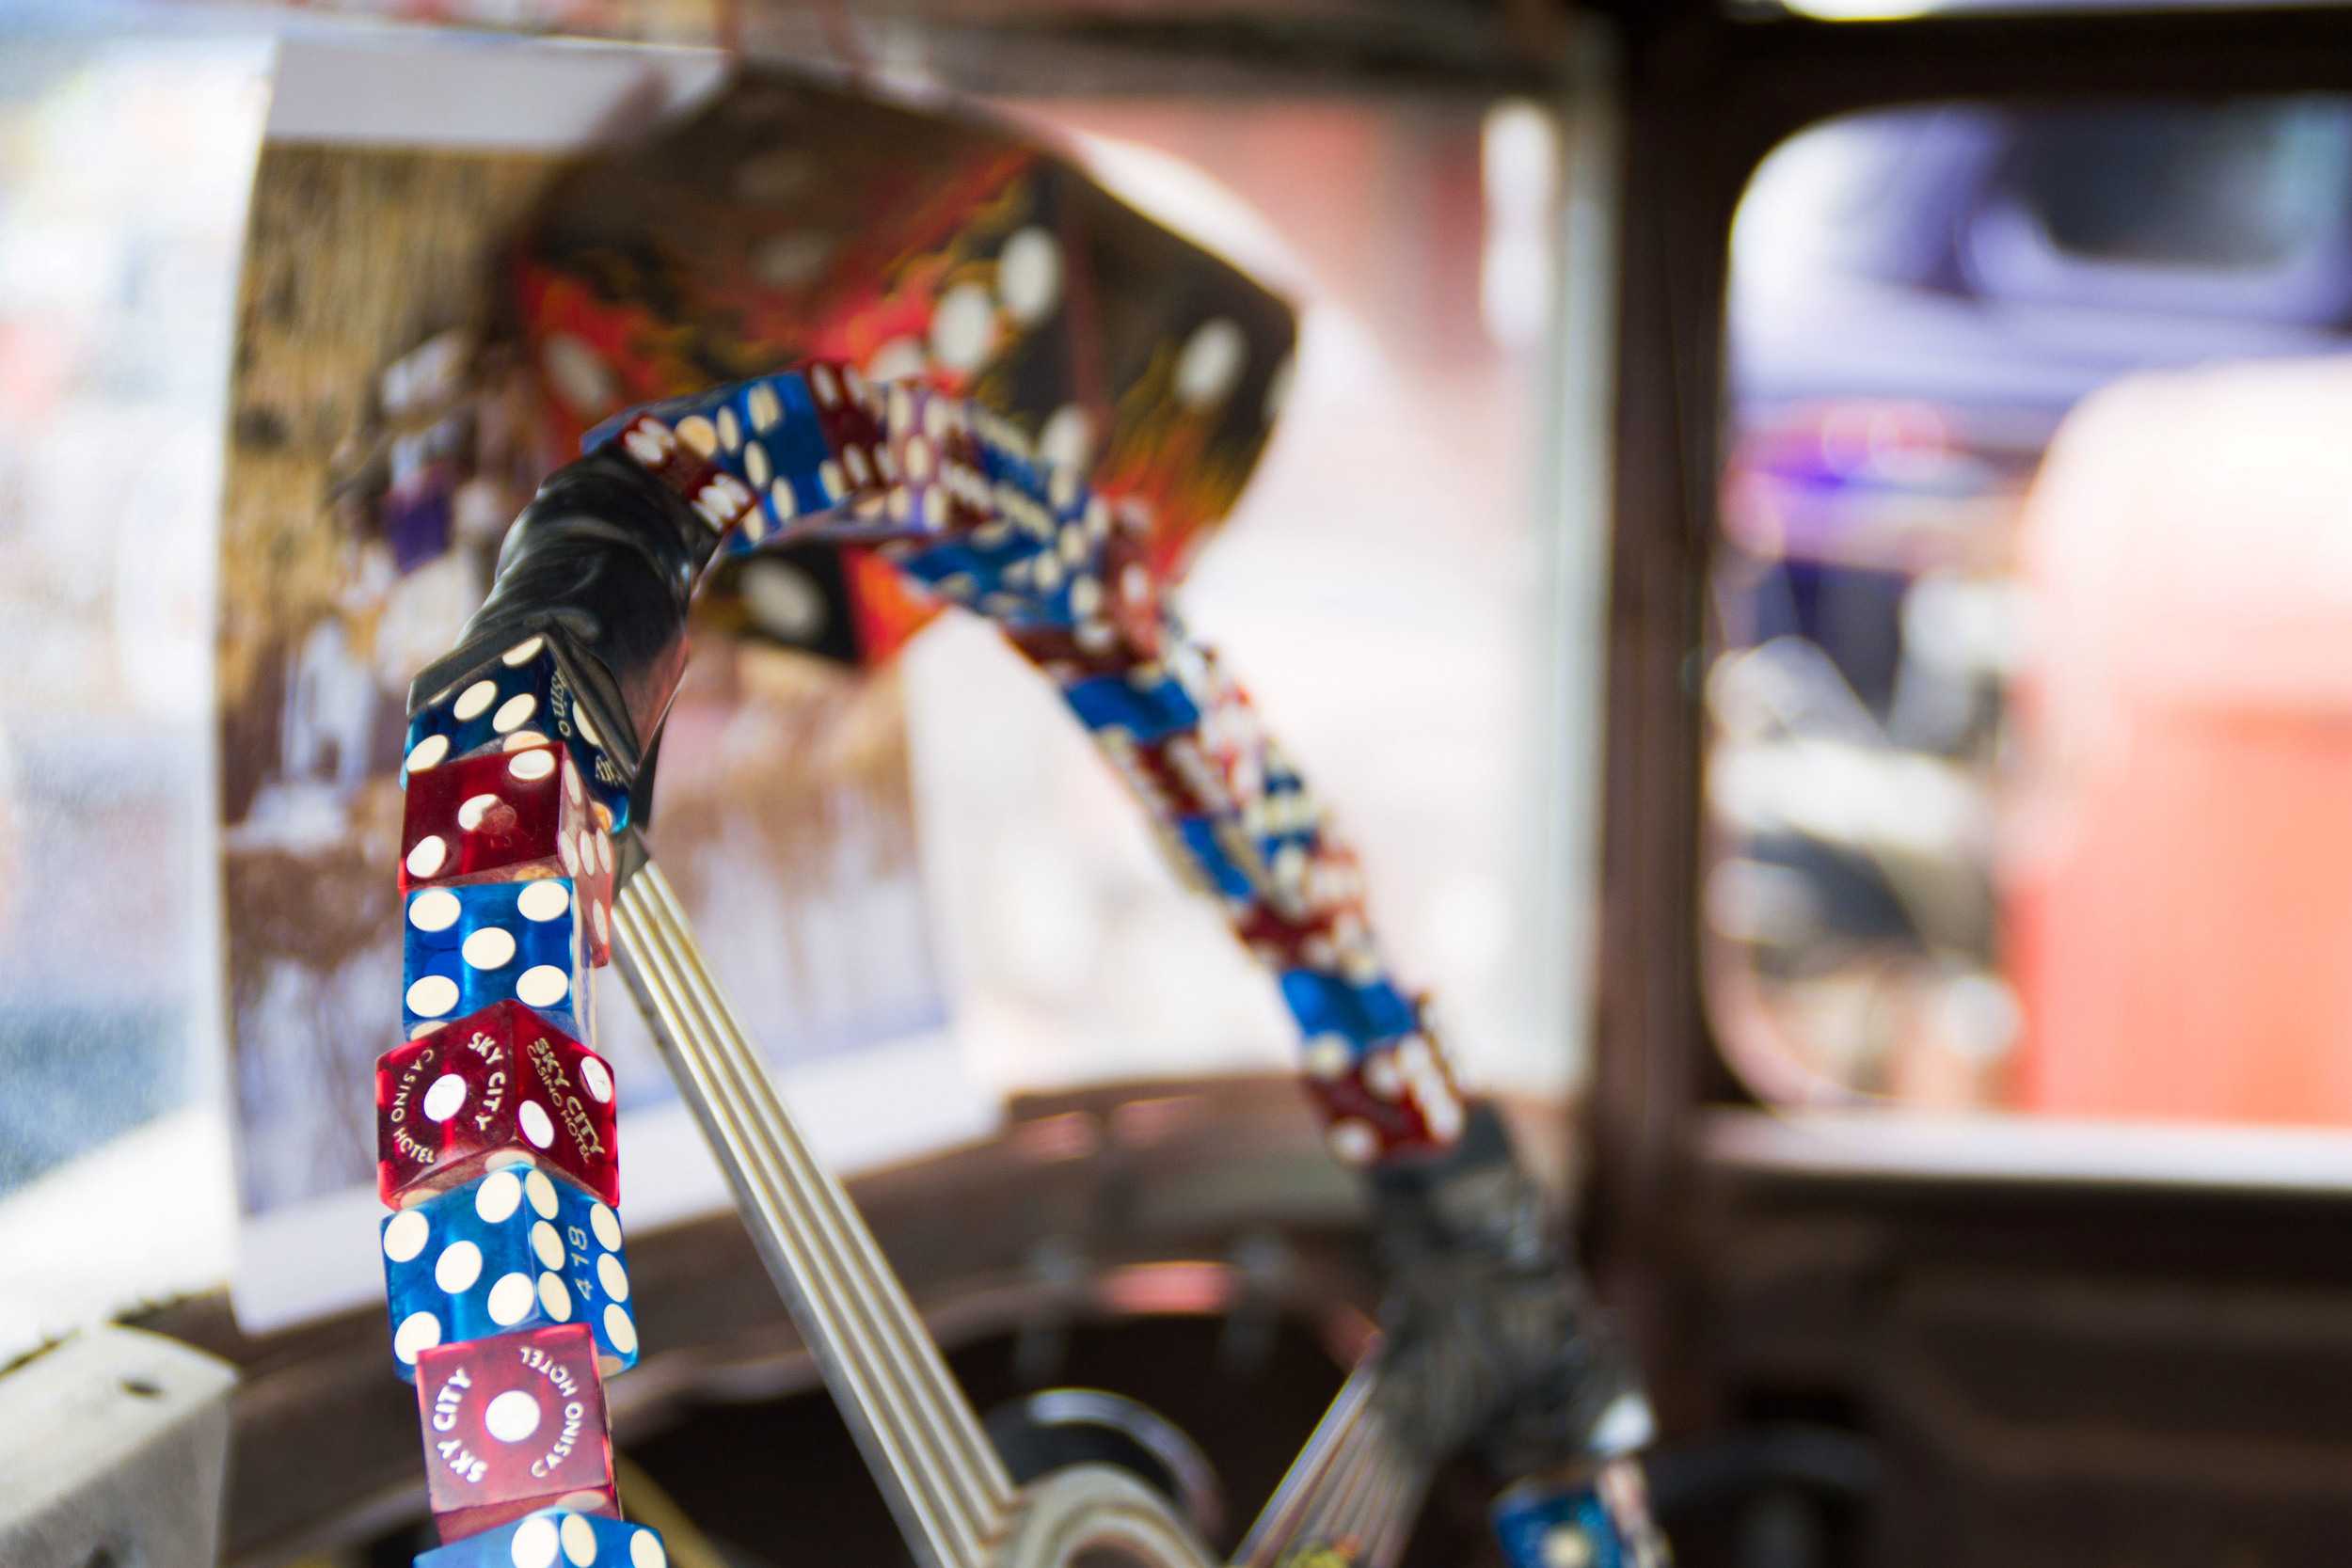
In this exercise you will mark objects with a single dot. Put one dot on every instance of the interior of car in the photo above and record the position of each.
(1802, 540)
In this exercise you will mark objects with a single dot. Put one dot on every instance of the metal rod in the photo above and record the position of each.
(953, 1427)
(787, 1235)
(944, 1482)
(1279, 1522)
(1351, 1481)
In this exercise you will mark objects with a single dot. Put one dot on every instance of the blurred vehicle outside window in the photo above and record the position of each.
(2027, 757)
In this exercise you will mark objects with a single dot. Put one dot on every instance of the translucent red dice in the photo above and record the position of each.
(509, 817)
(497, 1087)
(1394, 1099)
(852, 433)
(512, 1425)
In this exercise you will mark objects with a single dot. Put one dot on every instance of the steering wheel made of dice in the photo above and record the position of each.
(525, 867)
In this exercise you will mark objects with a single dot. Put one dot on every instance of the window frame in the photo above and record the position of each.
(1664, 1092)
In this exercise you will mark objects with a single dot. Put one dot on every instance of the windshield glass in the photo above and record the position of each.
(955, 902)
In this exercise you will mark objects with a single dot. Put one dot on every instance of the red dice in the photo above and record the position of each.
(683, 465)
(1069, 654)
(499, 1086)
(1132, 589)
(514, 1424)
(845, 416)
(1395, 1100)
(510, 816)
(1174, 776)
(1323, 939)
(1324, 929)
(934, 463)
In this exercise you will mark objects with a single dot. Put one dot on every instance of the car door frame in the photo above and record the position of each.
(1761, 1286)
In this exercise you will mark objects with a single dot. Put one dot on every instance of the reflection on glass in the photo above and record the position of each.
(1376, 589)
(2012, 749)
(115, 289)
(122, 171)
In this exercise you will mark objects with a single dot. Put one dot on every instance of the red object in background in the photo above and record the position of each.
(2177, 893)
(510, 816)
(514, 1424)
(499, 1087)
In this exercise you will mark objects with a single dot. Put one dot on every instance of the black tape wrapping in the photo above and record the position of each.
(1490, 1337)
(603, 563)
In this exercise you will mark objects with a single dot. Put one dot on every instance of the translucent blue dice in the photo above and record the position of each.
(469, 947)
(556, 1538)
(1600, 1522)
(1363, 1015)
(512, 1250)
(1151, 709)
(1283, 815)
(783, 443)
(1211, 855)
(802, 441)
(521, 698)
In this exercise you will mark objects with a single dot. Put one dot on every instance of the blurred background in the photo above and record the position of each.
(2021, 756)
(191, 765)
(1810, 547)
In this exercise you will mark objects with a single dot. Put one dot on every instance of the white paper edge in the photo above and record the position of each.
(479, 90)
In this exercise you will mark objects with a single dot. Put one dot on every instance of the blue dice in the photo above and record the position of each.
(467, 947)
(1602, 1523)
(515, 1249)
(1362, 1015)
(780, 421)
(521, 698)
(1149, 711)
(953, 567)
(1283, 813)
(1012, 576)
(1205, 845)
(554, 1538)
(770, 433)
